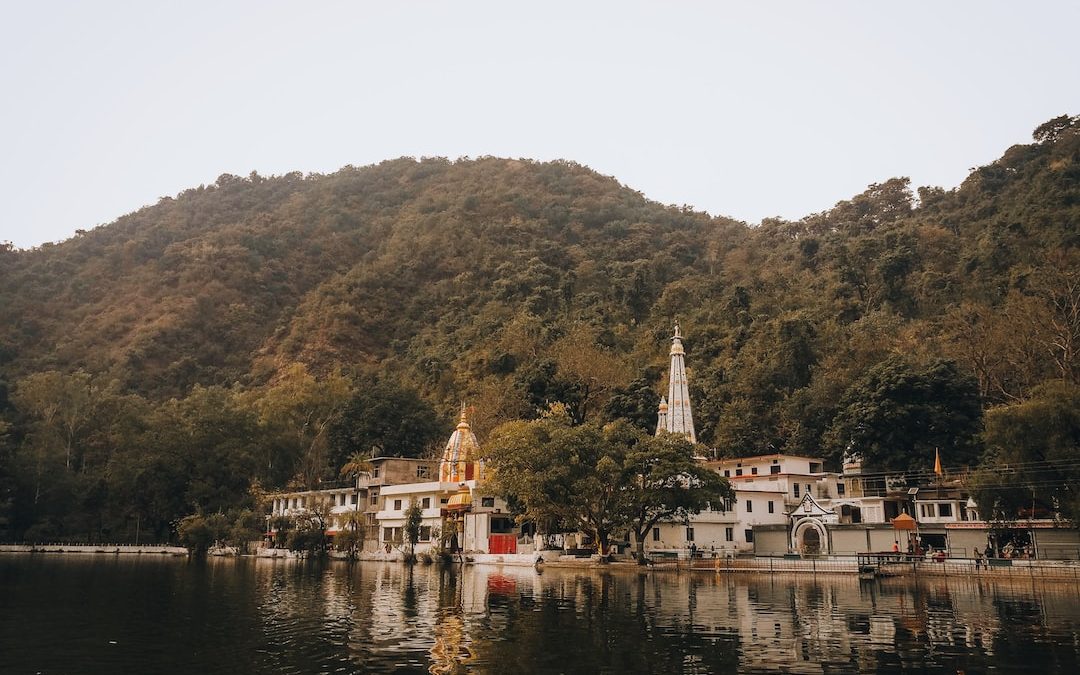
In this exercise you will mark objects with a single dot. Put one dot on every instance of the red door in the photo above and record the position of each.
(502, 543)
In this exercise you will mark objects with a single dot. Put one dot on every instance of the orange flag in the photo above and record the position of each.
(937, 462)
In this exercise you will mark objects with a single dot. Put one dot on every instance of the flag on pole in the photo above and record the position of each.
(937, 462)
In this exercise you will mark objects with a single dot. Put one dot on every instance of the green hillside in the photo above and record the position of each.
(154, 366)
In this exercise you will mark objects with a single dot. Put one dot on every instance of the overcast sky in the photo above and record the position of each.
(751, 109)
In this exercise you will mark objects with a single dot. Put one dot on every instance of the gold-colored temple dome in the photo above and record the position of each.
(460, 501)
(460, 461)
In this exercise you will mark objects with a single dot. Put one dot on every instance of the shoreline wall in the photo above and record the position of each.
(94, 548)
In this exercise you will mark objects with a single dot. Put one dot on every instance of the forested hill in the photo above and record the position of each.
(420, 261)
(515, 284)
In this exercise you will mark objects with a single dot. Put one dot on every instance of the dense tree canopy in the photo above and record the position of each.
(899, 415)
(1033, 450)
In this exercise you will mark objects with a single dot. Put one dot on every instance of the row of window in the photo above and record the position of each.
(422, 471)
(396, 534)
(425, 503)
(936, 510)
(342, 499)
(729, 534)
(753, 471)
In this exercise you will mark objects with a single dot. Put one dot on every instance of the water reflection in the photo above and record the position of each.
(239, 616)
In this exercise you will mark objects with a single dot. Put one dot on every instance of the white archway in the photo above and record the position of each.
(809, 536)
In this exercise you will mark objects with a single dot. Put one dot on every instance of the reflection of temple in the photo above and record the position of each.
(457, 513)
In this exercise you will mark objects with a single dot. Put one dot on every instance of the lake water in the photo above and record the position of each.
(113, 614)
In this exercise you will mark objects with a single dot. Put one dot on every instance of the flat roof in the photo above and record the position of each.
(429, 486)
(762, 457)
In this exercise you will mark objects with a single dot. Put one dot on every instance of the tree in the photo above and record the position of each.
(350, 538)
(303, 408)
(1050, 131)
(60, 405)
(385, 419)
(593, 371)
(309, 527)
(199, 532)
(1032, 456)
(414, 516)
(898, 413)
(636, 403)
(598, 479)
(664, 482)
(357, 464)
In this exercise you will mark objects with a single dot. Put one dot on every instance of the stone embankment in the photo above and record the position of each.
(94, 548)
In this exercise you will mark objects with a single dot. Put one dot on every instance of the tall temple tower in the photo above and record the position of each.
(675, 415)
(460, 461)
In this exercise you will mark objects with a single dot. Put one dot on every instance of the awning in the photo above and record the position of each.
(904, 522)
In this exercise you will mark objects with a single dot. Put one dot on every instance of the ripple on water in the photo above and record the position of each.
(248, 616)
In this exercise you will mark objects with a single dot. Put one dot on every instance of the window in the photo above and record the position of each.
(487, 502)
(738, 472)
(689, 534)
(426, 504)
(796, 487)
(729, 534)
(397, 504)
(749, 506)
(772, 508)
(656, 534)
(374, 498)
(928, 510)
(840, 489)
(391, 534)
(749, 536)
(355, 499)
(375, 472)
(753, 470)
(425, 533)
(775, 468)
(944, 510)
(727, 473)
(422, 471)
(444, 500)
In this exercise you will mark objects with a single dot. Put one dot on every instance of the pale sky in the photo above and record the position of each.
(744, 109)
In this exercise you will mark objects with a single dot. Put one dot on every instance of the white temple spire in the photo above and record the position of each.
(675, 415)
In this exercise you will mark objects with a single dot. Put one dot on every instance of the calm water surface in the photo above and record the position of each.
(97, 614)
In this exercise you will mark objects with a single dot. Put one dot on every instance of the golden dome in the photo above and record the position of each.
(460, 501)
(460, 457)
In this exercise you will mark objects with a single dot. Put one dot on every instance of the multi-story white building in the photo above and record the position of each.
(457, 513)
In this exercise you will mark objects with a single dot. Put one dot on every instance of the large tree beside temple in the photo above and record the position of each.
(599, 479)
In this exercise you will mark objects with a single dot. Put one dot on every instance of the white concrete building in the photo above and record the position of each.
(457, 513)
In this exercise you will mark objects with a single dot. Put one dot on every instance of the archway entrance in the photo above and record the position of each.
(809, 537)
